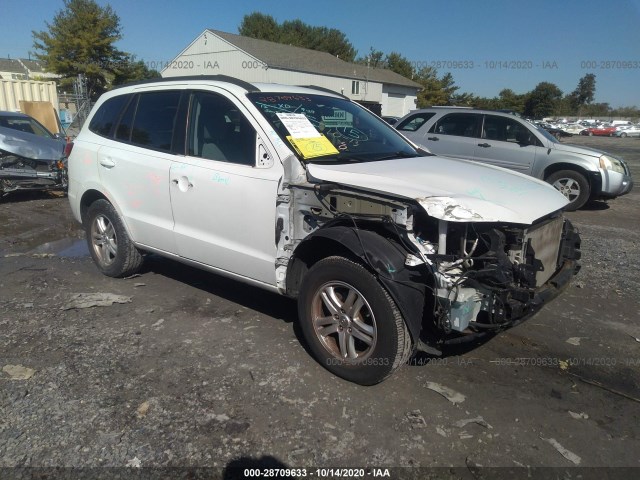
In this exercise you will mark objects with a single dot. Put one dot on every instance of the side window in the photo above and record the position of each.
(154, 119)
(107, 115)
(505, 130)
(219, 131)
(123, 132)
(414, 122)
(458, 124)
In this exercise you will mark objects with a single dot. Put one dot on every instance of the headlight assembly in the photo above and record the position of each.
(611, 163)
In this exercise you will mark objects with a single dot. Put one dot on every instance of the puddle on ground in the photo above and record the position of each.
(67, 247)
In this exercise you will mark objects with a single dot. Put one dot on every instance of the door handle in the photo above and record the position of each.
(435, 139)
(107, 162)
(183, 183)
(484, 145)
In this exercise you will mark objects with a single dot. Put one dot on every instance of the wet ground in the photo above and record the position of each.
(193, 370)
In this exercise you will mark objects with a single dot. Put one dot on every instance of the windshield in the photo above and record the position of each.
(22, 124)
(544, 133)
(329, 129)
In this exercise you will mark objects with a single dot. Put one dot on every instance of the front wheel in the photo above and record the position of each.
(351, 323)
(623, 134)
(572, 185)
(109, 244)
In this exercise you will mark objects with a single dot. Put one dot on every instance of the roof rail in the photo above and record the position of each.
(218, 78)
(451, 106)
(323, 89)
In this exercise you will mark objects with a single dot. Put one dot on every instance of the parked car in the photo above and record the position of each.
(558, 133)
(391, 120)
(504, 140)
(602, 131)
(31, 157)
(307, 194)
(573, 128)
(629, 131)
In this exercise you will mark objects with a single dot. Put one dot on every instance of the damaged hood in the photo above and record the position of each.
(31, 146)
(451, 189)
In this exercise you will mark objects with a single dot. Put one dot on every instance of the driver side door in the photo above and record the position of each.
(224, 200)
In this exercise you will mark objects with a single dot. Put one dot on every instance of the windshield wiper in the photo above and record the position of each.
(399, 154)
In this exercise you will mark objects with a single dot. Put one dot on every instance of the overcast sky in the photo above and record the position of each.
(486, 45)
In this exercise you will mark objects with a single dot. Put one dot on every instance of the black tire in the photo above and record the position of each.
(573, 185)
(623, 134)
(109, 244)
(371, 341)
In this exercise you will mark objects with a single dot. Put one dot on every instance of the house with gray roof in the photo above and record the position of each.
(220, 53)
(23, 69)
(12, 69)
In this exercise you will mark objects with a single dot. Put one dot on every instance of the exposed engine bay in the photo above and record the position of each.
(449, 279)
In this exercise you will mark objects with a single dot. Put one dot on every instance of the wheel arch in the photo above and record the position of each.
(87, 199)
(383, 257)
(593, 177)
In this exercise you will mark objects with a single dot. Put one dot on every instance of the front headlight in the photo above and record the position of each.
(610, 163)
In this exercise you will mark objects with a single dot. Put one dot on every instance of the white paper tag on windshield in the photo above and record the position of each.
(298, 125)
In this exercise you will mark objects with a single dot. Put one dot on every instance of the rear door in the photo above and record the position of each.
(508, 143)
(223, 197)
(454, 135)
(134, 167)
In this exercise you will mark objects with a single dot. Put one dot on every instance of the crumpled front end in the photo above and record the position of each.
(22, 173)
(491, 276)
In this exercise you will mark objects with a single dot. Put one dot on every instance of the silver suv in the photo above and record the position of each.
(506, 140)
(307, 194)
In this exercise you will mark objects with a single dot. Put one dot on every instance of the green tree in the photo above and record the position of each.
(543, 100)
(132, 70)
(259, 25)
(297, 33)
(586, 90)
(439, 91)
(80, 40)
(597, 110)
(584, 93)
(399, 64)
(375, 59)
(509, 100)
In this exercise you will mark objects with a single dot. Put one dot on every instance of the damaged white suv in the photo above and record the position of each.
(302, 192)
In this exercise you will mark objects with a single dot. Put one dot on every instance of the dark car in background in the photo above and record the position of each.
(31, 157)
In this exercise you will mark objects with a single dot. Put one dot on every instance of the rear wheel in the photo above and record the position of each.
(109, 244)
(572, 185)
(623, 134)
(350, 322)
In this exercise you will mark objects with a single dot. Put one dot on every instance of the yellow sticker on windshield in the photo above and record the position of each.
(313, 147)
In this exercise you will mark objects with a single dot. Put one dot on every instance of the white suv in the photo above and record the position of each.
(302, 192)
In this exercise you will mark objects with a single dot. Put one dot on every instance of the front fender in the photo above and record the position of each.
(385, 259)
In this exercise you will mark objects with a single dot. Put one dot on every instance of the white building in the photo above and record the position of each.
(252, 60)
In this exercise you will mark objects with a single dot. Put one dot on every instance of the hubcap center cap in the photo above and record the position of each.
(345, 321)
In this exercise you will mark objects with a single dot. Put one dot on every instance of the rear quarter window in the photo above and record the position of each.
(107, 115)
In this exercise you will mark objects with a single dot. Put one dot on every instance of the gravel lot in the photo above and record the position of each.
(194, 370)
